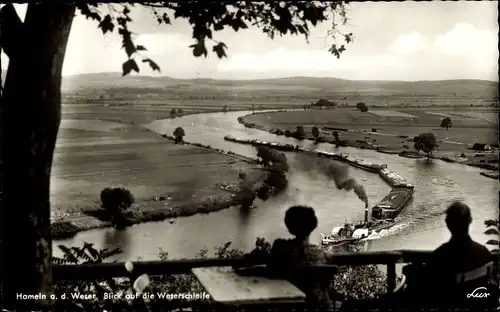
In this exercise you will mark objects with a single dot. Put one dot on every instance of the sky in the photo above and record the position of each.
(392, 41)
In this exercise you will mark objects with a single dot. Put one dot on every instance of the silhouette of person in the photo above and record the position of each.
(288, 254)
(461, 265)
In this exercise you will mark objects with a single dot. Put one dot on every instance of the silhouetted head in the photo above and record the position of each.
(458, 218)
(300, 221)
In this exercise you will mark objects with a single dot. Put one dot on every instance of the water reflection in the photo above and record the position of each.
(117, 239)
(244, 224)
(425, 163)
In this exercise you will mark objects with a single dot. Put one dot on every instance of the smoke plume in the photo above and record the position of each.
(336, 171)
(339, 173)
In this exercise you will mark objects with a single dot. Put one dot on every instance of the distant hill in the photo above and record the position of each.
(104, 81)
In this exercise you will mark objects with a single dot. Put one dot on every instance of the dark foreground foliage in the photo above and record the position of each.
(361, 282)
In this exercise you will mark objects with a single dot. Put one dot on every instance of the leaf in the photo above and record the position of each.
(110, 253)
(129, 266)
(129, 47)
(128, 66)
(218, 26)
(68, 254)
(166, 19)
(348, 38)
(93, 252)
(199, 48)
(152, 64)
(238, 24)
(336, 51)
(141, 283)
(106, 24)
(112, 284)
(85, 10)
(141, 48)
(219, 49)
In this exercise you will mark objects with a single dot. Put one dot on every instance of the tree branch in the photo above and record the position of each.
(156, 5)
(12, 30)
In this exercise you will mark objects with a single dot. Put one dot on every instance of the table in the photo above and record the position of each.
(229, 288)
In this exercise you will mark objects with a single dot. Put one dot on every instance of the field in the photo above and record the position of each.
(200, 94)
(391, 127)
(92, 155)
(101, 143)
(391, 113)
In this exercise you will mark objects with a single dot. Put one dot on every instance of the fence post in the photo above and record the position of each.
(391, 277)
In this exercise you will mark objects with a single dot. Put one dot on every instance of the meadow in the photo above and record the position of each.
(89, 160)
(392, 129)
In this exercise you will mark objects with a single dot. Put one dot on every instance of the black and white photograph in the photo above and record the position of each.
(249, 155)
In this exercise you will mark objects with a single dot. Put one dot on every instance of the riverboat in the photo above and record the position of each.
(256, 142)
(393, 204)
(394, 179)
(366, 165)
(233, 139)
(410, 155)
(388, 152)
(493, 175)
(352, 233)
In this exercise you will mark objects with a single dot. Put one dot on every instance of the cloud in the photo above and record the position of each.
(160, 43)
(277, 59)
(465, 39)
(300, 62)
(409, 43)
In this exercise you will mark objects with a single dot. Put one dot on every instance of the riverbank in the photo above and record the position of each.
(152, 213)
(392, 178)
(368, 138)
(168, 180)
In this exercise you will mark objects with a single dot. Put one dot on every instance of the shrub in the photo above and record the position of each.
(87, 254)
(179, 133)
(426, 142)
(299, 133)
(362, 107)
(446, 123)
(315, 132)
(324, 103)
(116, 201)
(336, 135)
(276, 180)
(277, 132)
(288, 133)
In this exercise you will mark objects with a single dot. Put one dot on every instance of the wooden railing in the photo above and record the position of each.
(108, 270)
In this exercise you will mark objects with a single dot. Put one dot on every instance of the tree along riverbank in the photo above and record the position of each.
(368, 145)
(224, 196)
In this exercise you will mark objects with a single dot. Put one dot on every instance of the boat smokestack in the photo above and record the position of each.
(366, 212)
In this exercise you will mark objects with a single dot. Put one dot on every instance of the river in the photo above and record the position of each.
(437, 183)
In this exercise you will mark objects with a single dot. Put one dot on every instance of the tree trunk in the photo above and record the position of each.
(32, 112)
